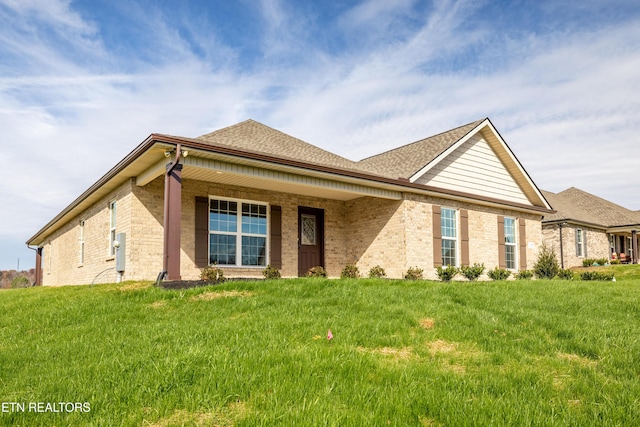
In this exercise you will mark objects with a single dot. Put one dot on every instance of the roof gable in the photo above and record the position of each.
(474, 167)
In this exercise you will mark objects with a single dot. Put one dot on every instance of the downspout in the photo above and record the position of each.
(561, 250)
(165, 252)
(38, 250)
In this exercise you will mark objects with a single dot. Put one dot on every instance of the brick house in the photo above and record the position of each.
(248, 195)
(587, 226)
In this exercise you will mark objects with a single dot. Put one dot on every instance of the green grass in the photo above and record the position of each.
(620, 271)
(403, 353)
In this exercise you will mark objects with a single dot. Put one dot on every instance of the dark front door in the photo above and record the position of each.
(310, 239)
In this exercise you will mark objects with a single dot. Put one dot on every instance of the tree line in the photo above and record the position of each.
(17, 279)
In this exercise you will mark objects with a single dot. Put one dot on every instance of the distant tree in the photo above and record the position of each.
(20, 282)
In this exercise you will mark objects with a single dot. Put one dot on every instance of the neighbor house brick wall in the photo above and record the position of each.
(597, 243)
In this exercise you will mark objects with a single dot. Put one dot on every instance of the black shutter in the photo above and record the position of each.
(202, 232)
(276, 237)
(437, 236)
(502, 253)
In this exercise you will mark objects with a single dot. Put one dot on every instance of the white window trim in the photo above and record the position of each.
(580, 242)
(239, 232)
(113, 224)
(81, 242)
(514, 244)
(457, 238)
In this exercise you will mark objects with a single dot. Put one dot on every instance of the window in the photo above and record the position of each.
(510, 243)
(81, 241)
(237, 233)
(449, 229)
(579, 242)
(112, 228)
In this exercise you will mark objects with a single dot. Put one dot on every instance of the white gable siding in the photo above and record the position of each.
(474, 168)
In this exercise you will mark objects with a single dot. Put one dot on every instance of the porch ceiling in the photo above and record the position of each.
(243, 174)
(222, 169)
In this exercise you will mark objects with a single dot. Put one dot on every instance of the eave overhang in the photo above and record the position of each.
(147, 162)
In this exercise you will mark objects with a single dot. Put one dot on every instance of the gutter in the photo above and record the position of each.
(403, 183)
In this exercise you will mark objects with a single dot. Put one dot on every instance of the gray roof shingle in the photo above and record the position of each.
(578, 205)
(255, 137)
(405, 161)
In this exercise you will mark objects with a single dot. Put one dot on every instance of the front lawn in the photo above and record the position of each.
(256, 353)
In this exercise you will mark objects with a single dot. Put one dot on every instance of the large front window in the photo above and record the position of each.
(449, 228)
(510, 242)
(237, 233)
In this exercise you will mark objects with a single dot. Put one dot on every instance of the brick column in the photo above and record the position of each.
(172, 215)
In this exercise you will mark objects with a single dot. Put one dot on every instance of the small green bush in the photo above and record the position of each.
(472, 272)
(614, 261)
(565, 274)
(271, 273)
(350, 271)
(524, 275)
(20, 282)
(377, 272)
(212, 274)
(588, 262)
(596, 275)
(413, 273)
(317, 271)
(499, 274)
(446, 273)
(546, 266)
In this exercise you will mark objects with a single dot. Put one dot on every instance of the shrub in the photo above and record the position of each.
(546, 266)
(20, 282)
(413, 273)
(317, 271)
(596, 275)
(212, 274)
(565, 274)
(588, 262)
(377, 271)
(271, 272)
(472, 272)
(499, 274)
(350, 271)
(446, 273)
(614, 261)
(524, 274)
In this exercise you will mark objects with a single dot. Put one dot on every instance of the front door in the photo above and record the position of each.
(310, 239)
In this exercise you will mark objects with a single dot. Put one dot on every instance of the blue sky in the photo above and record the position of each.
(83, 82)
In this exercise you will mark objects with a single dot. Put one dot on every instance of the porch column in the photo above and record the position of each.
(38, 267)
(172, 215)
(634, 246)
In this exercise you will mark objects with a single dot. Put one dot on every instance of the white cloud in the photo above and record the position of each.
(565, 102)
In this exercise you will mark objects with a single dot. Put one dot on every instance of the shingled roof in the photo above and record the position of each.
(402, 162)
(405, 161)
(578, 205)
(255, 137)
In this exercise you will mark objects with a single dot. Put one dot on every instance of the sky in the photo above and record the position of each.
(82, 83)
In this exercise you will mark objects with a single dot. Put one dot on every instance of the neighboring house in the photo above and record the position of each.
(587, 226)
(248, 195)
